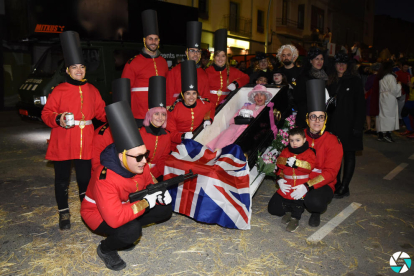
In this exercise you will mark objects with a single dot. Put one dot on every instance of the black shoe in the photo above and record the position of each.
(315, 220)
(341, 192)
(111, 259)
(380, 136)
(64, 221)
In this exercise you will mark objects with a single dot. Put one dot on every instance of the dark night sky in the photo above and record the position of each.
(403, 9)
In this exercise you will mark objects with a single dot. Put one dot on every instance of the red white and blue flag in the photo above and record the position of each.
(220, 193)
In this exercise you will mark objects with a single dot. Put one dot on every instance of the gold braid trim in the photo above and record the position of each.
(139, 206)
(316, 180)
(303, 164)
(281, 161)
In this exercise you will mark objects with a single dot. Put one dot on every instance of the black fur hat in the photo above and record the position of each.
(341, 57)
(314, 52)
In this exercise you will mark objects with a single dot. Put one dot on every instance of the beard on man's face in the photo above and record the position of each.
(287, 62)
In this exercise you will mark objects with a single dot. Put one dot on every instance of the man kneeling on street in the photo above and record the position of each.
(124, 170)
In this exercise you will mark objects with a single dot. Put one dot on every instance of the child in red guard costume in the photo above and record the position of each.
(295, 164)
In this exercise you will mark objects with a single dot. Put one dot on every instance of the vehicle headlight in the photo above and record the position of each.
(39, 100)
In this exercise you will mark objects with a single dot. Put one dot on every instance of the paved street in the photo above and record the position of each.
(362, 244)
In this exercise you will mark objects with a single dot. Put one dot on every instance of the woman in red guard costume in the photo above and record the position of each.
(222, 78)
(156, 139)
(320, 187)
(189, 111)
(69, 143)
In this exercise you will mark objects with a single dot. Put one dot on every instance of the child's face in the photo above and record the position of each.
(296, 141)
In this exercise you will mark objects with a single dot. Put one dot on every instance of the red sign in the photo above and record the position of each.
(41, 28)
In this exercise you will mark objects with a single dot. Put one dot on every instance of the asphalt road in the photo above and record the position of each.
(362, 244)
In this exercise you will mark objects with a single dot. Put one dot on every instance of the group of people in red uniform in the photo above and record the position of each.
(153, 110)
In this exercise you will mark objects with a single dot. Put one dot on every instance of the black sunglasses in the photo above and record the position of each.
(139, 157)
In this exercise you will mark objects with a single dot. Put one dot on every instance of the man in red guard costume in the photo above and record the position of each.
(320, 187)
(193, 52)
(222, 77)
(106, 208)
(121, 91)
(145, 65)
(189, 111)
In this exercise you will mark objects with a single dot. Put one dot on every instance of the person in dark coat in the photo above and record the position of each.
(283, 99)
(313, 68)
(346, 116)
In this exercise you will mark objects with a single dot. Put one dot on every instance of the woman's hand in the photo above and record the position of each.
(206, 123)
(62, 120)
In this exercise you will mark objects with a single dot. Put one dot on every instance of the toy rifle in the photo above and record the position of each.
(161, 186)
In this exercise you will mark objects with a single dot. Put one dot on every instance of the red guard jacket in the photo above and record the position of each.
(161, 145)
(72, 143)
(107, 198)
(218, 84)
(101, 139)
(174, 84)
(305, 163)
(329, 154)
(139, 70)
(183, 119)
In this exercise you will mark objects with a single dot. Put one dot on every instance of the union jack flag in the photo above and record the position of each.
(220, 194)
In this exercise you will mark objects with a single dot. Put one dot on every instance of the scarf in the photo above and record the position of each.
(73, 81)
(318, 74)
(300, 149)
(313, 135)
(219, 68)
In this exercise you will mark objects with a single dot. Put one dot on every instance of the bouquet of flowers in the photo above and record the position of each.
(266, 163)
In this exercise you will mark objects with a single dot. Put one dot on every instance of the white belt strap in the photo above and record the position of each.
(296, 176)
(89, 199)
(85, 123)
(139, 89)
(176, 95)
(152, 166)
(222, 93)
(317, 170)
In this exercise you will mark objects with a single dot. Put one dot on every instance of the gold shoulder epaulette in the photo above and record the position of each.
(130, 60)
(103, 128)
(103, 173)
(174, 104)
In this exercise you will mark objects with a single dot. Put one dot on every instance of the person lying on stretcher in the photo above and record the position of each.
(258, 98)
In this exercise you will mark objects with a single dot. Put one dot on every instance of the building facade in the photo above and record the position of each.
(290, 21)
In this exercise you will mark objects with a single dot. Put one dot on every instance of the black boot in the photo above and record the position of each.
(348, 171)
(342, 191)
(64, 220)
(315, 220)
(111, 259)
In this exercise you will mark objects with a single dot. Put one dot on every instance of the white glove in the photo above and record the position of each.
(291, 161)
(231, 87)
(246, 113)
(207, 123)
(283, 187)
(164, 199)
(152, 198)
(188, 135)
(299, 191)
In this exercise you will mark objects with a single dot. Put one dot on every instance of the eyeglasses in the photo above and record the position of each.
(139, 157)
(195, 51)
(313, 117)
